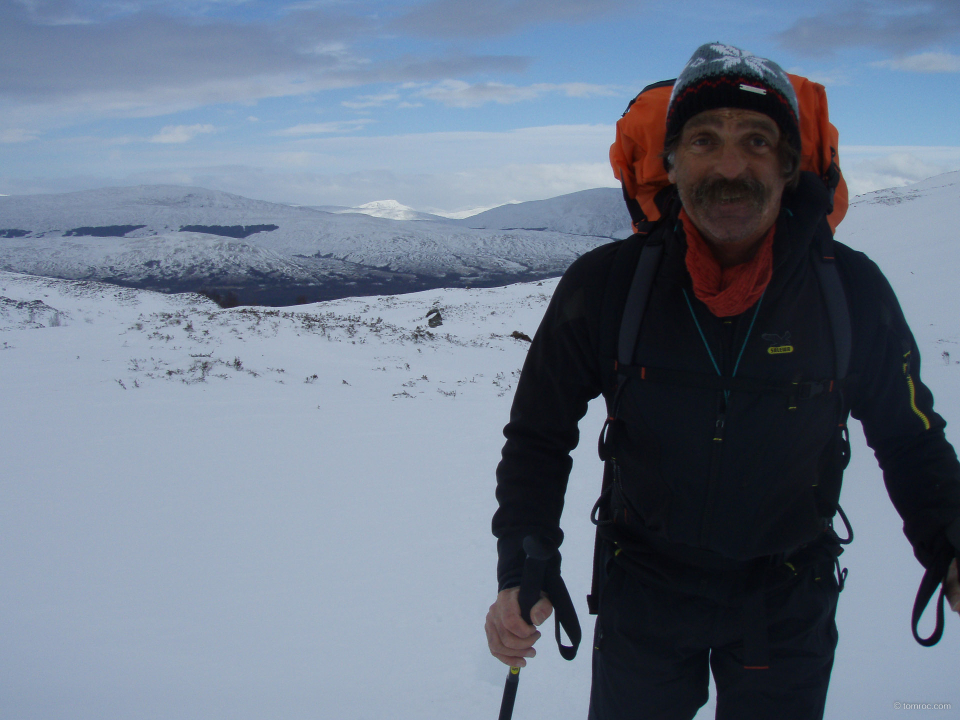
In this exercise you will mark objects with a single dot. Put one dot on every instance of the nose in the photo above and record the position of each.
(732, 161)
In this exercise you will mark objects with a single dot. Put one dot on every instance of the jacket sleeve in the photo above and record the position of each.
(919, 465)
(560, 376)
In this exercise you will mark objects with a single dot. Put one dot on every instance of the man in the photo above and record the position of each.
(716, 542)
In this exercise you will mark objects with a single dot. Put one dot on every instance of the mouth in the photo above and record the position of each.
(726, 198)
(729, 194)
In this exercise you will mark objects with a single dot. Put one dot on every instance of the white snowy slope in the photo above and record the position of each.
(153, 241)
(390, 209)
(598, 212)
(284, 512)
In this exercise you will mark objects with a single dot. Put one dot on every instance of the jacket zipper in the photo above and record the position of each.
(714, 478)
(727, 345)
(719, 428)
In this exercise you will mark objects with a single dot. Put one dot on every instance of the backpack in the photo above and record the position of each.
(636, 160)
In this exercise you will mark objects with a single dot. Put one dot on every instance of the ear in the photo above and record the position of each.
(672, 174)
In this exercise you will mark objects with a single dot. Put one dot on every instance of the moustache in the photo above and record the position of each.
(721, 190)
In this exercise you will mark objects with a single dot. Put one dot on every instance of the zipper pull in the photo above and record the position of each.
(718, 431)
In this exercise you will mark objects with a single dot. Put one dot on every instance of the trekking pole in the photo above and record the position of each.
(531, 583)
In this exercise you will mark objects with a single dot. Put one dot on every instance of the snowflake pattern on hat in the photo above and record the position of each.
(731, 57)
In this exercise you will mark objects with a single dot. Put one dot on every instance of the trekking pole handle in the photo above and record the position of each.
(531, 582)
(534, 568)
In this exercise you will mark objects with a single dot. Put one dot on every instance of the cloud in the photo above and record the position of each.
(17, 135)
(139, 54)
(298, 182)
(868, 168)
(419, 70)
(458, 19)
(345, 126)
(828, 78)
(54, 12)
(444, 170)
(889, 25)
(929, 62)
(457, 93)
(445, 192)
(172, 134)
(141, 64)
(364, 102)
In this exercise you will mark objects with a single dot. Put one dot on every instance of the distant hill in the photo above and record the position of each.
(174, 239)
(600, 213)
(390, 209)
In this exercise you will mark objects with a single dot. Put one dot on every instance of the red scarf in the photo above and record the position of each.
(726, 291)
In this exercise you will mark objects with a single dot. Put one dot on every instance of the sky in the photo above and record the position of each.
(443, 105)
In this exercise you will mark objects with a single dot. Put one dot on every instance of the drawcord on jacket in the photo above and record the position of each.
(703, 337)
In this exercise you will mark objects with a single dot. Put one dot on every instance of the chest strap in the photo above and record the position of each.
(794, 390)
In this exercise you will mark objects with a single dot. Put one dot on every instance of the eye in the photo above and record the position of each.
(759, 141)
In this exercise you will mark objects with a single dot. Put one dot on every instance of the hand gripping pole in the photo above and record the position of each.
(541, 573)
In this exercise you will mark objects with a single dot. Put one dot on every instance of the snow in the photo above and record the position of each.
(284, 513)
(597, 212)
(388, 209)
(297, 246)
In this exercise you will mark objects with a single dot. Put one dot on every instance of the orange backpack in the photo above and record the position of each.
(636, 161)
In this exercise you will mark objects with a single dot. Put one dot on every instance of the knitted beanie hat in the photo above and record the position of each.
(724, 76)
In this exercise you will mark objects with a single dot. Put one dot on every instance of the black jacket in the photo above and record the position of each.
(755, 493)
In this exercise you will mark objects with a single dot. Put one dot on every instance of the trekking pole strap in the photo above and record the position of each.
(541, 571)
(934, 577)
(565, 615)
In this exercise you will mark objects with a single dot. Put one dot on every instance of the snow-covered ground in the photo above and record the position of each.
(284, 513)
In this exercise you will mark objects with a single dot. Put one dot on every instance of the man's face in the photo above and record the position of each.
(727, 171)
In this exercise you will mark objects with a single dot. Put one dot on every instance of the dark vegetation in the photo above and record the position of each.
(230, 231)
(229, 299)
(102, 231)
(13, 233)
(279, 294)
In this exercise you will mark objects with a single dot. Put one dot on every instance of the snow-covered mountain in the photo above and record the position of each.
(173, 238)
(390, 209)
(598, 212)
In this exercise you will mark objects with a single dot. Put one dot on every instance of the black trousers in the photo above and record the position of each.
(654, 648)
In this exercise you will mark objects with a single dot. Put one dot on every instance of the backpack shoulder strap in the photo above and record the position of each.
(836, 300)
(637, 298)
(838, 313)
(625, 296)
(624, 303)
